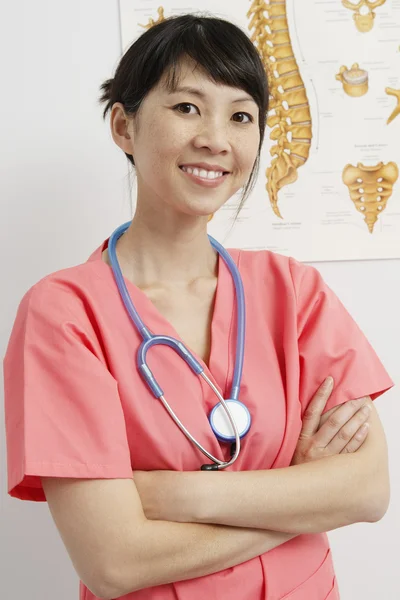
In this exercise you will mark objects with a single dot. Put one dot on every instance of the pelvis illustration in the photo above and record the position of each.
(364, 16)
(290, 117)
(370, 188)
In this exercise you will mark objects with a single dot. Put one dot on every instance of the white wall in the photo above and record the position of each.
(64, 188)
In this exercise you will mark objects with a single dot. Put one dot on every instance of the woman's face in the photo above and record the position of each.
(213, 124)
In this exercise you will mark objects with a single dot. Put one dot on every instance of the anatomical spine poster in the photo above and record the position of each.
(329, 181)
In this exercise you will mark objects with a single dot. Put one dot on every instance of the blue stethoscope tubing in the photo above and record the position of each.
(150, 340)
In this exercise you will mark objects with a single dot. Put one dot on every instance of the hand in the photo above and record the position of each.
(337, 432)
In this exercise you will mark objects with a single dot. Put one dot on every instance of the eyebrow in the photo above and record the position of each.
(200, 94)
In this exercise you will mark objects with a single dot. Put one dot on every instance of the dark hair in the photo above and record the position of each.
(220, 48)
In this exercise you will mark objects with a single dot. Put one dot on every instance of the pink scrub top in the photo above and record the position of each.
(76, 405)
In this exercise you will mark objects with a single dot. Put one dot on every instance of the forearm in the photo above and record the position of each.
(168, 552)
(309, 498)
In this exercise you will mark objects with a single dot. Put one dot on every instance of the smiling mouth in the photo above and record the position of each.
(183, 167)
(205, 181)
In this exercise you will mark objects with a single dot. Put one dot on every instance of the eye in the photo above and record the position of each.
(177, 107)
(183, 106)
(251, 120)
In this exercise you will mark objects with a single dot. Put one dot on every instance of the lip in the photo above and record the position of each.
(210, 183)
(208, 167)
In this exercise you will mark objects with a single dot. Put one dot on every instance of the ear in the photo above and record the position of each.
(121, 128)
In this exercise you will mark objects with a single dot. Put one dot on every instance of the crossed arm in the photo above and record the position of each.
(138, 545)
(312, 497)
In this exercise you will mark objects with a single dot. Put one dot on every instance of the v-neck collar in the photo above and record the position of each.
(223, 322)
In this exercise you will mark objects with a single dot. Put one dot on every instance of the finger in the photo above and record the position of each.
(336, 421)
(349, 430)
(357, 440)
(312, 415)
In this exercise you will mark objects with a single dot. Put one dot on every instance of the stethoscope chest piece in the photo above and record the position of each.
(221, 425)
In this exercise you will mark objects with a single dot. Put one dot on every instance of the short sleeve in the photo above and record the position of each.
(331, 343)
(63, 413)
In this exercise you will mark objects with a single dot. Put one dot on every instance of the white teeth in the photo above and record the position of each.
(203, 173)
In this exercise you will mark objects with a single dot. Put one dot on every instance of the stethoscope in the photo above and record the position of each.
(229, 419)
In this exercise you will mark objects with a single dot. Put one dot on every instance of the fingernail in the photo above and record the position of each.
(328, 383)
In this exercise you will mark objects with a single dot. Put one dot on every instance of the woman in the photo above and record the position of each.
(191, 94)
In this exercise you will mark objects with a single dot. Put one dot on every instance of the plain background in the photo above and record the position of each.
(64, 189)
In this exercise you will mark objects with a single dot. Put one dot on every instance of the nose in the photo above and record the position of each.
(214, 137)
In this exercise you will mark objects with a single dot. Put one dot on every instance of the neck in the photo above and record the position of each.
(168, 253)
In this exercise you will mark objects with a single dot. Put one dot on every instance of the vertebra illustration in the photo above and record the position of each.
(292, 126)
(370, 188)
(364, 22)
(354, 80)
(396, 112)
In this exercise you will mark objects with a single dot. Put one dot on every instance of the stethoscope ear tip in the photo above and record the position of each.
(212, 467)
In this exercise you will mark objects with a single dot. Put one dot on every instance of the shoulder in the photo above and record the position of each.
(59, 310)
(60, 296)
(277, 268)
(71, 283)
